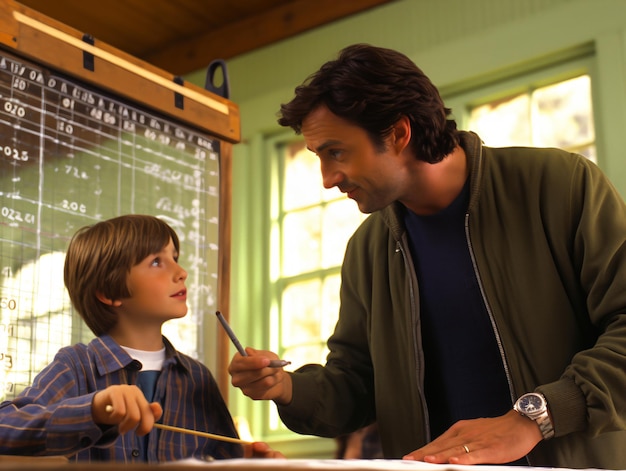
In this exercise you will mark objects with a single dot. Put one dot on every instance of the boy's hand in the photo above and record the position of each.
(125, 405)
(260, 450)
(257, 380)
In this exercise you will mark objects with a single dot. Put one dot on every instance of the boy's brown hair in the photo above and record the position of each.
(99, 258)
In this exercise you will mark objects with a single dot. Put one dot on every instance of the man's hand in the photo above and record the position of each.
(126, 406)
(257, 380)
(496, 440)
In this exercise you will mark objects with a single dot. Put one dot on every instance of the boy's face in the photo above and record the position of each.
(157, 287)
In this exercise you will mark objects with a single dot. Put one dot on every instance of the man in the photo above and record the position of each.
(481, 275)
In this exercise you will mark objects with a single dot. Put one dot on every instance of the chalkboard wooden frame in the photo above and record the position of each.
(77, 55)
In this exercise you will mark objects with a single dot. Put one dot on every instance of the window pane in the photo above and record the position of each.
(310, 311)
(330, 308)
(557, 115)
(303, 179)
(503, 123)
(561, 114)
(301, 241)
(340, 219)
(301, 334)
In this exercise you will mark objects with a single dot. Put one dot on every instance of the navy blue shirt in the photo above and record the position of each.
(464, 377)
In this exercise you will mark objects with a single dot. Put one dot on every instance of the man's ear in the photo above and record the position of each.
(401, 135)
(108, 301)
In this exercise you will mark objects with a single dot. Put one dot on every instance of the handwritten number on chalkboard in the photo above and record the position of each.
(14, 109)
(14, 153)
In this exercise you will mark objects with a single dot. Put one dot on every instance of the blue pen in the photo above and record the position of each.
(240, 349)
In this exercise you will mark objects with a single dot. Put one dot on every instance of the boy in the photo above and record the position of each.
(124, 280)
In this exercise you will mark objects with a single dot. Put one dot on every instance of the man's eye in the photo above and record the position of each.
(334, 154)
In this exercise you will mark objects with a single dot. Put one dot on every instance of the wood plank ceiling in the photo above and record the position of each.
(181, 36)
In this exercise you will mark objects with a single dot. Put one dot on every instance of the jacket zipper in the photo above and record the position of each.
(496, 332)
(488, 308)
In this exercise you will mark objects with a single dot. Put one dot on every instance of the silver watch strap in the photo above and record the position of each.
(545, 426)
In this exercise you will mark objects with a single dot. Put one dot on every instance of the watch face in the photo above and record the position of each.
(531, 404)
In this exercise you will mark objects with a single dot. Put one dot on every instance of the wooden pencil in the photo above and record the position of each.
(201, 434)
(212, 436)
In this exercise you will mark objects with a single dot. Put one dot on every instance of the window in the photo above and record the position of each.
(310, 228)
(557, 115)
(549, 108)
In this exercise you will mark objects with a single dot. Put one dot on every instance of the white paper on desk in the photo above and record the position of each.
(328, 464)
(187, 462)
(335, 464)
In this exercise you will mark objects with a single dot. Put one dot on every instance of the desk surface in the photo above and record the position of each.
(61, 464)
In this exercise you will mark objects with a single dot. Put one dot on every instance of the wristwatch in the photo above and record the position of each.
(534, 406)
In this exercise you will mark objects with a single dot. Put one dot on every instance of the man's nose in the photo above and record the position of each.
(331, 177)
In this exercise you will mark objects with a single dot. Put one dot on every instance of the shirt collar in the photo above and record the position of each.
(110, 357)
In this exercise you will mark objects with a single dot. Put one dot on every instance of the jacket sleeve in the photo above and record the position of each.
(48, 418)
(590, 393)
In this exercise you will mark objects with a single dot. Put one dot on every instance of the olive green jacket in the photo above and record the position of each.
(547, 235)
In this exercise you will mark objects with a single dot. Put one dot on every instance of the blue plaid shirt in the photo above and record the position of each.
(53, 416)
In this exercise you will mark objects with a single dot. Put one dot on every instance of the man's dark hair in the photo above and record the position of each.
(373, 88)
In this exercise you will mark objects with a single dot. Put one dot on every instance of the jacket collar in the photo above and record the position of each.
(472, 145)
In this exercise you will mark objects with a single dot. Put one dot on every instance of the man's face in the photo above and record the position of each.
(350, 161)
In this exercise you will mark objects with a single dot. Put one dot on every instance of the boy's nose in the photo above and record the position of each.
(181, 274)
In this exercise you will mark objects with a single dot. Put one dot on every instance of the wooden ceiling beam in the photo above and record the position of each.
(289, 19)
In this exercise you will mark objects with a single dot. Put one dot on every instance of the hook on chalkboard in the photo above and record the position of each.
(88, 59)
(210, 84)
(179, 102)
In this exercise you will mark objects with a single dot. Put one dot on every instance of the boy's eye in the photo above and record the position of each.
(155, 262)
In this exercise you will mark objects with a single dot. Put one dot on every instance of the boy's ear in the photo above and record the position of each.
(108, 301)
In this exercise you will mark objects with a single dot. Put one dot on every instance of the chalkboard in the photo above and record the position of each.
(72, 154)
